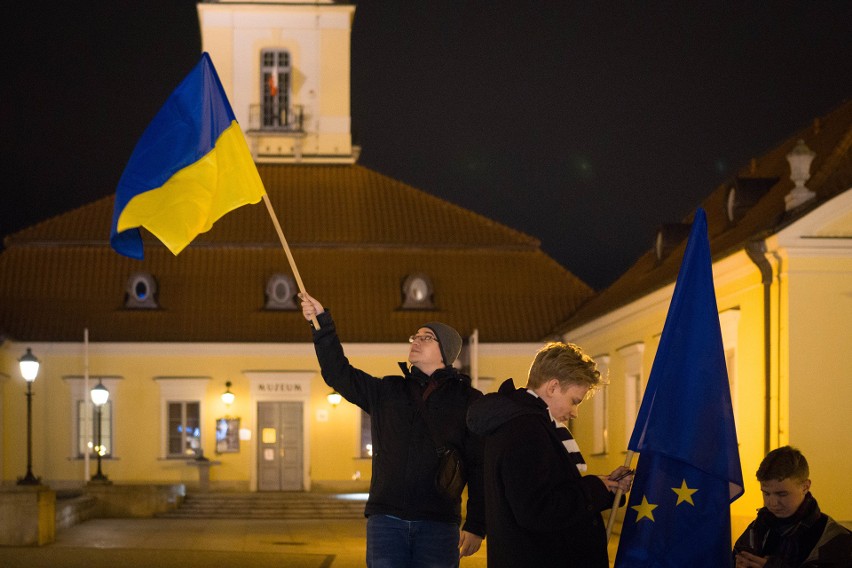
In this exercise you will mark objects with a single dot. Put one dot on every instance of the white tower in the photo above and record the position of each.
(285, 68)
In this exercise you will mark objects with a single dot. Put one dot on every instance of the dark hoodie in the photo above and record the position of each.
(539, 510)
(405, 460)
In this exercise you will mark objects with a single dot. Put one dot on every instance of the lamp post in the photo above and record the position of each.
(29, 370)
(99, 395)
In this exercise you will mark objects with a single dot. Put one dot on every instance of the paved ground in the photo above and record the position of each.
(209, 543)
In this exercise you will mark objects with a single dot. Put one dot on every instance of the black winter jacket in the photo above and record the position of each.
(405, 460)
(540, 510)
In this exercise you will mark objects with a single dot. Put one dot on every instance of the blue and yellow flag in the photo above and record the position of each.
(191, 167)
(689, 470)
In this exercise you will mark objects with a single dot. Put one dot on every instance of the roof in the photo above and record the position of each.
(354, 234)
(830, 137)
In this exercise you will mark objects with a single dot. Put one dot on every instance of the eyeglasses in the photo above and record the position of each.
(422, 338)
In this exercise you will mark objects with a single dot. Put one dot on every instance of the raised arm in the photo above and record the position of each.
(353, 384)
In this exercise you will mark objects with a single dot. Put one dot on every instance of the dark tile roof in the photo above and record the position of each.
(830, 137)
(354, 234)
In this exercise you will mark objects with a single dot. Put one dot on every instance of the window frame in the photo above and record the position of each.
(79, 394)
(106, 429)
(600, 411)
(631, 356)
(365, 439)
(183, 438)
(729, 324)
(180, 390)
(277, 62)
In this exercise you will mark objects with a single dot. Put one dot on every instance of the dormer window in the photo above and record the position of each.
(744, 194)
(141, 292)
(669, 236)
(280, 291)
(417, 292)
(731, 204)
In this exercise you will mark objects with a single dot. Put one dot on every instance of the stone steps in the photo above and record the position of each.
(286, 506)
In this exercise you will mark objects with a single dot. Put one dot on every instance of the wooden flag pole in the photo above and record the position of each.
(287, 251)
(617, 499)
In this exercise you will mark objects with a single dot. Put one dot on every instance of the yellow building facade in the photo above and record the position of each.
(784, 296)
(143, 379)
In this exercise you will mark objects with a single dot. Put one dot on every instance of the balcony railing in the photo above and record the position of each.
(288, 120)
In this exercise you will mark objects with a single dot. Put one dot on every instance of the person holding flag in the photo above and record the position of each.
(540, 509)
(412, 521)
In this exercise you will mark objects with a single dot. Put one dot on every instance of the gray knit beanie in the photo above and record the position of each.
(449, 341)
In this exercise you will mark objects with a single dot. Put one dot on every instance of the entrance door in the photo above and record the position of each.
(279, 456)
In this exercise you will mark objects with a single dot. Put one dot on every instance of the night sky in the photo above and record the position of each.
(583, 124)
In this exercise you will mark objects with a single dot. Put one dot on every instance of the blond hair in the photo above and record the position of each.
(566, 363)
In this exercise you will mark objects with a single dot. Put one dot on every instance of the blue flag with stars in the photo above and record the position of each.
(688, 471)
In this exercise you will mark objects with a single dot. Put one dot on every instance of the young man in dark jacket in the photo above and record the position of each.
(410, 522)
(790, 531)
(541, 511)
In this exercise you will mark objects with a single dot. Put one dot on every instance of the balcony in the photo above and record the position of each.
(288, 122)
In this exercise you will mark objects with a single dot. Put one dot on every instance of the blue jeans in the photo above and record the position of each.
(396, 543)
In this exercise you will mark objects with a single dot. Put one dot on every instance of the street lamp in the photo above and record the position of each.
(334, 398)
(228, 396)
(29, 370)
(99, 395)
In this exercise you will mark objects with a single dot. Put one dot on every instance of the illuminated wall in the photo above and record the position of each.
(809, 379)
(136, 374)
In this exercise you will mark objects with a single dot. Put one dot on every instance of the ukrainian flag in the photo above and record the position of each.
(191, 167)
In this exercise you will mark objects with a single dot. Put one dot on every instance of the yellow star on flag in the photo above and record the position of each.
(644, 509)
(684, 494)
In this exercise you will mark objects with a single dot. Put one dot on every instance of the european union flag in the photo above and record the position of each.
(191, 167)
(689, 470)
